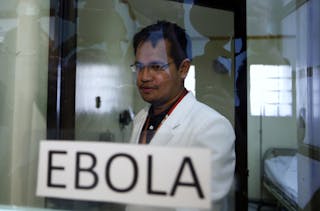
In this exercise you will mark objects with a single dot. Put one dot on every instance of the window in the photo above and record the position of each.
(271, 90)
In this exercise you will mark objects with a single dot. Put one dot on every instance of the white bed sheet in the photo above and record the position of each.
(282, 170)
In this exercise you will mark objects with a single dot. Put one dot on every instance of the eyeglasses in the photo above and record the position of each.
(154, 66)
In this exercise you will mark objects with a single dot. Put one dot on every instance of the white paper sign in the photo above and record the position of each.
(124, 173)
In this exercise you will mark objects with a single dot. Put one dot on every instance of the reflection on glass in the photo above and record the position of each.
(97, 80)
(104, 84)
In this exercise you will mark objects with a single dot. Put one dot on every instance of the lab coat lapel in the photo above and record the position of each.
(168, 129)
(138, 126)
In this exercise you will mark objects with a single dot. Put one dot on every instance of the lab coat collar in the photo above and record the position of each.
(168, 129)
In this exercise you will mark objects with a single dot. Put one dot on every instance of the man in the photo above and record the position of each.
(174, 117)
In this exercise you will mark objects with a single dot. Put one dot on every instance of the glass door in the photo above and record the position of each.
(98, 96)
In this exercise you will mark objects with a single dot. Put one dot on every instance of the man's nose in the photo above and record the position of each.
(145, 74)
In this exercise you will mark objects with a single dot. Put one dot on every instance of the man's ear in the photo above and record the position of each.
(184, 68)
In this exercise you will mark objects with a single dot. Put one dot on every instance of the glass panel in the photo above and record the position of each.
(24, 39)
(283, 125)
(107, 98)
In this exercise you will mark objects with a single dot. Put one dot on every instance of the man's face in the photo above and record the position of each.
(158, 87)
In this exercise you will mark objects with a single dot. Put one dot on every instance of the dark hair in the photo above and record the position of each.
(178, 38)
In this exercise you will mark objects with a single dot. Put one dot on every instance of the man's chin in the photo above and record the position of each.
(150, 100)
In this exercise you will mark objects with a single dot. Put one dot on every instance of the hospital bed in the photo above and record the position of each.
(280, 176)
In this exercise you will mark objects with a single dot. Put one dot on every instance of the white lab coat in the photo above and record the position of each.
(195, 124)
